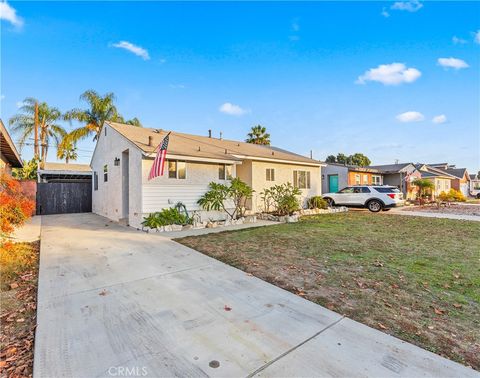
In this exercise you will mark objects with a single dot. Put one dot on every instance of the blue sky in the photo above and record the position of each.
(324, 76)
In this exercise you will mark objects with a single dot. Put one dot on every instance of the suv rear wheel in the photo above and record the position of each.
(374, 206)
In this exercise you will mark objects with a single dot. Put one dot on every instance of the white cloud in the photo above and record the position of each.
(476, 36)
(385, 12)
(409, 6)
(2, 97)
(452, 63)
(458, 41)
(232, 109)
(19, 104)
(295, 25)
(137, 50)
(390, 74)
(410, 117)
(442, 118)
(177, 86)
(9, 14)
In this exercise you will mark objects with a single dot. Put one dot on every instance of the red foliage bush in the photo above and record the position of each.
(15, 207)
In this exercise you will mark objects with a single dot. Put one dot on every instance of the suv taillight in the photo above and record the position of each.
(391, 195)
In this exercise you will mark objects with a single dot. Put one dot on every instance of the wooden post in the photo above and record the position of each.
(35, 144)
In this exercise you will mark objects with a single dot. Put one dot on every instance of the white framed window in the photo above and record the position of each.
(365, 179)
(270, 174)
(177, 169)
(301, 179)
(105, 173)
(225, 171)
(357, 179)
(376, 180)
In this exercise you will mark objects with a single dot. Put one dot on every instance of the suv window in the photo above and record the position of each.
(346, 190)
(384, 189)
(361, 189)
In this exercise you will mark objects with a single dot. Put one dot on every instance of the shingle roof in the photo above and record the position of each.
(473, 177)
(66, 167)
(8, 148)
(189, 145)
(390, 168)
(457, 172)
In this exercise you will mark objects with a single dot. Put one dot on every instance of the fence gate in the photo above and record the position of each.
(64, 197)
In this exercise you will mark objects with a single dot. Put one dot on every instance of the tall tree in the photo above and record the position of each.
(342, 158)
(67, 150)
(100, 109)
(24, 124)
(359, 159)
(331, 159)
(258, 135)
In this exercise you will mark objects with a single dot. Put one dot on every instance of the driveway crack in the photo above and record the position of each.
(263, 367)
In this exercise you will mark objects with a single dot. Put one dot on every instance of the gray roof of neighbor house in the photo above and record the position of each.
(63, 167)
(189, 145)
(390, 168)
(457, 172)
(432, 171)
(8, 149)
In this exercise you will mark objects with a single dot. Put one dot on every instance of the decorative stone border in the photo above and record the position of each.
(296, 216)
(204, 224)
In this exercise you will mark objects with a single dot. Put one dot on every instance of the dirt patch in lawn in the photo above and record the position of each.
(18, 296)
(452, 209)
(412, 277)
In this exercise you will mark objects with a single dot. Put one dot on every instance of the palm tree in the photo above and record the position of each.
(67, 149)
(258, 135)
(24, 124)
(101, 109)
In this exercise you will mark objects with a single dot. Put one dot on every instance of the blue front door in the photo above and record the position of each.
(333, 183)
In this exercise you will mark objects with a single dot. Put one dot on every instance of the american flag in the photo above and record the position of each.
(159, 162)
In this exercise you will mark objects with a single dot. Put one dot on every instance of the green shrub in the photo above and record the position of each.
(166, 217)
(283, 198)
(317, 202)
(219, 194)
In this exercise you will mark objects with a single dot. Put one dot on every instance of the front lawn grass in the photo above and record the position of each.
(415, 278)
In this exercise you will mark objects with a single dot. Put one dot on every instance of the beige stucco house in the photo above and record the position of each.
(124, 155)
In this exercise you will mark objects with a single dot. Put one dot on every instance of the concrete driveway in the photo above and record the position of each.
(118, 302)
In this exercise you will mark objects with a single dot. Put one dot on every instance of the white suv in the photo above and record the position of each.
(374, 198)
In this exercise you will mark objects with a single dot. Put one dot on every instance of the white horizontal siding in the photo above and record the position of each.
(158, 197)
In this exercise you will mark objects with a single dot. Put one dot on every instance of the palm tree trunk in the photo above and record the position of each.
(35, 143)
(43, 138)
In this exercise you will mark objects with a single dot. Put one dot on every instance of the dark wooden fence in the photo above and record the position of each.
(64, 197)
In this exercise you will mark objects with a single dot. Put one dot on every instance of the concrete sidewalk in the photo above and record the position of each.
(29, 232)
(114, 300)
(400, 211)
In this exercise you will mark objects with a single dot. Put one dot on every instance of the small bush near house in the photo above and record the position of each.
(425, 187)
(15, 207)
(317, 202)
(166, 217)
(452, 196)
(282, 198)
(219, 195)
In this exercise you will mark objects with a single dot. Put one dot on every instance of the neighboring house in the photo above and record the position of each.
(9, 156)
(474, 185)
(337, 176)
(461, 182)
(400, 175)
(61, 172)
(124, 155)
(441, 179)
